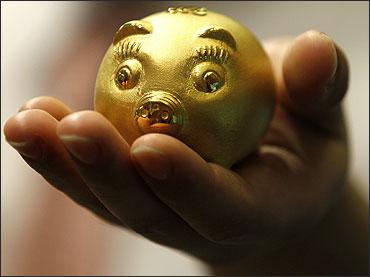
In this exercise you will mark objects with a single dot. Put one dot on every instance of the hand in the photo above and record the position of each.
(163, 190)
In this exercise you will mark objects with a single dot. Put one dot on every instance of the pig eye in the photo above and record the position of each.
(209, 82)
(123, 77)
(127, 76)
(212, 81)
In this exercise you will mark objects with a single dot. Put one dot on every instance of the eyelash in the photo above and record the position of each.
(212, 52)
(126, 48)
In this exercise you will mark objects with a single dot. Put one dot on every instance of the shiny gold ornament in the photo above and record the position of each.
(190, 73)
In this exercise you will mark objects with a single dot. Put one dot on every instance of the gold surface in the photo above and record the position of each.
(191, 73)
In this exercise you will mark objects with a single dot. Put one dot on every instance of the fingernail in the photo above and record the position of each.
(29, 149)
(334, 53)
(326, 92)
(82, 148)
(152, 161)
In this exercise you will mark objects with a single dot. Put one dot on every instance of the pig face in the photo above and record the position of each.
(190, 73)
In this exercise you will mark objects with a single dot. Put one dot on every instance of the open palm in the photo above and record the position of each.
(163, 190)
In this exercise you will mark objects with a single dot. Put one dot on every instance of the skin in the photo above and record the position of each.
(239, 220)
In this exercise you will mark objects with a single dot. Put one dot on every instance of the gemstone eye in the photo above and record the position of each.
(212, 81)
(209, 82)
(208, 77)
(128, 75)
(123, 77)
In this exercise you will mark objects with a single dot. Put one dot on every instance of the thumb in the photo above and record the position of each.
(315, 73)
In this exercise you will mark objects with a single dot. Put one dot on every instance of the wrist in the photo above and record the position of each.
(338, 245)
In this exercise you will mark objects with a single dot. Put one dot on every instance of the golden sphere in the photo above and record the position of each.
(194, 74)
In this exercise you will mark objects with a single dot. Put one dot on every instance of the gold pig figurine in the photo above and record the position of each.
(190, 73)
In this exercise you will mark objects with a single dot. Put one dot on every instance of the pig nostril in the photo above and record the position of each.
(165, 115)
(144, 113)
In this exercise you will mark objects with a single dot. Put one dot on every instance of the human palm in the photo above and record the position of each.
(163, 190)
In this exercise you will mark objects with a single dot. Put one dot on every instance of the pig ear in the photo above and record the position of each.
(135, 27)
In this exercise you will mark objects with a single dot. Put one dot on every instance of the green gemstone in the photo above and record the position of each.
(214, 86)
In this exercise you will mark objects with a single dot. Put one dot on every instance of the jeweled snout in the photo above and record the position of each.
(159, 112)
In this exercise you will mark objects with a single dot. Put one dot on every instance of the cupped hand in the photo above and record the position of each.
(163, 190)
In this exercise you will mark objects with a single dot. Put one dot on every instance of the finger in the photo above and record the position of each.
(213, 200)
(51, 105)
(102, 157)
(112, 177)
(315, 72)
(312, 78)
(33, 134)
(230, 208)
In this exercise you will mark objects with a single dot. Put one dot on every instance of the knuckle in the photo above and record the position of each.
(29, 104)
